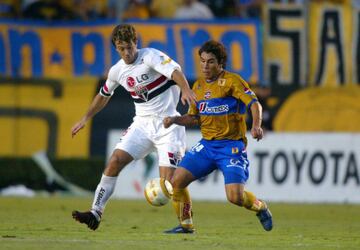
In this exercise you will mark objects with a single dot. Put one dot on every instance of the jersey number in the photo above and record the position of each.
(197, 147)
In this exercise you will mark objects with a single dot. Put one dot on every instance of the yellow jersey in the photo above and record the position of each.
(221, 106)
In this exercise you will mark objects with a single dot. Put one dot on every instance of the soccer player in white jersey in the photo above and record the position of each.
(154, 81)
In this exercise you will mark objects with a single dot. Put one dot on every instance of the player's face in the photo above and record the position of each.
(209, 66)
(127, 51)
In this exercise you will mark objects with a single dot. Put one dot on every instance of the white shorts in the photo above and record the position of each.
(147, 134)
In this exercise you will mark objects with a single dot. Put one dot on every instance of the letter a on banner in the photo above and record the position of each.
(330, 33)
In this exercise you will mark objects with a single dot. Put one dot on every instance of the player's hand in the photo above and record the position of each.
(257, 133)
(188, 96)
(168, 121)
(77, 127)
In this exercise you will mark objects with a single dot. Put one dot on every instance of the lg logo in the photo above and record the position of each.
(139, 79)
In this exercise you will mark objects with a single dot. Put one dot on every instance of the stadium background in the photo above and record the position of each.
(302, 60)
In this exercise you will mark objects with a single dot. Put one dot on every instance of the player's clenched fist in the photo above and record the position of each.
(257, 133)
(168, 121)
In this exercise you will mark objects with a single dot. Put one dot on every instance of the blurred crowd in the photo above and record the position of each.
(86, 10)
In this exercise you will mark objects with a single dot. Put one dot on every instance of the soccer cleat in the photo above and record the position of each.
(88, 218)
(265, 218)
(180, 230)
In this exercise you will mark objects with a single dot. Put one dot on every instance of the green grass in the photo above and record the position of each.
(46, 223)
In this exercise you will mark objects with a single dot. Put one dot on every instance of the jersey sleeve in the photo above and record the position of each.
(110, 85)
(160, 62)
(241, 90)
(193, 110)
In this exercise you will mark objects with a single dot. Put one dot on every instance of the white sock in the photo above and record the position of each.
(103, 192)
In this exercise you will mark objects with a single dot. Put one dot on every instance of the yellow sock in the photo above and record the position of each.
(182, 205)
(252, 203)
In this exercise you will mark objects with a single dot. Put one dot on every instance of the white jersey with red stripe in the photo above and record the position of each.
(148, 80)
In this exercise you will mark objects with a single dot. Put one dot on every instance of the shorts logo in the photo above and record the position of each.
(174, 158)
(197, 148)
(235, 150)
(130, 82)
(123, 133)
(235, 163)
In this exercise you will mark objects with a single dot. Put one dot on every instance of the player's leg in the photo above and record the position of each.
(104, 190)
(194, 165)
(234, 167)
(181, 198)
(181, 201)
(134, 145)
(170, 144)
(237, 195)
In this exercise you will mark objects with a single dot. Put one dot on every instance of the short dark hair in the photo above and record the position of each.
(218, 49)
(125, 33)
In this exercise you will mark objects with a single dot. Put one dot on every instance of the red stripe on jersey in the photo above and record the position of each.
(152, 85)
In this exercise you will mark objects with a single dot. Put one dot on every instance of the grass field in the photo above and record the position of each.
(46, 223)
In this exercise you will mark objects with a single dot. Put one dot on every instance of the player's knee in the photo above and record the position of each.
(181, 179)
(116, 163)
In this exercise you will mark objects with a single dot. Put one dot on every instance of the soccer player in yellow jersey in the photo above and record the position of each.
(222, 99)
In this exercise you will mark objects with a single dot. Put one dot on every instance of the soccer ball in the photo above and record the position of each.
(158, 191)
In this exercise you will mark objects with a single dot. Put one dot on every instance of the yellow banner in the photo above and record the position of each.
(40, 50)
(284, 45)
(38, 115)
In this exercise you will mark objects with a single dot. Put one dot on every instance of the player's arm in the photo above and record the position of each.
(172, 70)
(240, 89)
(256, 113)
(98, 103)
(187, 95)
(184, 120)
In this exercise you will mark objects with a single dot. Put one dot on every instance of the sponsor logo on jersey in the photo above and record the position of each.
(130, 82)
(207, 94)
(165, 61)
(248, 91)
(221, 82)
(203, 108)
(142, 78)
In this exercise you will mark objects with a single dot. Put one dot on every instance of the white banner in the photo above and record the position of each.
(285, 167)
